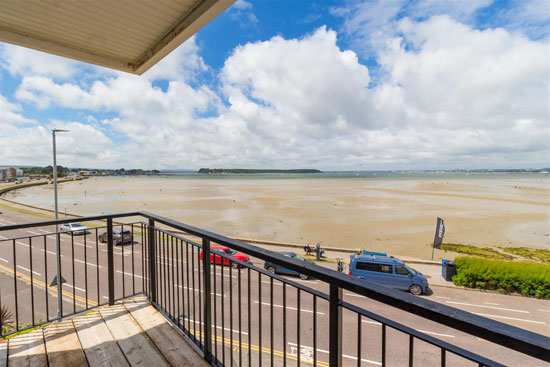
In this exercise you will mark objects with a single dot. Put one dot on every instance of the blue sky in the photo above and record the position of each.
(369, 85)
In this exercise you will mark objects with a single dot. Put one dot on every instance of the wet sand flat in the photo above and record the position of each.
(393, 215)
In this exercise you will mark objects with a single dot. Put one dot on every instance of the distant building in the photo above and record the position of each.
(8, 174)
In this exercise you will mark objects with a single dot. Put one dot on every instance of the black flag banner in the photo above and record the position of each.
(439, 233)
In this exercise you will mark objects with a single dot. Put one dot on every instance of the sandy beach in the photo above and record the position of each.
(393, 215)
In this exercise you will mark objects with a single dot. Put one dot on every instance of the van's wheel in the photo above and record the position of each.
(415, 289)
(271, 269)
(234, 265)
(303, 276)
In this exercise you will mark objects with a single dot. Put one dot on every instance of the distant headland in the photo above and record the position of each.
(219, 171)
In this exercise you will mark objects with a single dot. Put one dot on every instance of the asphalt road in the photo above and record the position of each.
(274, 312)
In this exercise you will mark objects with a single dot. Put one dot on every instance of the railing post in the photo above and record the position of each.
(207, 299)
(335, 326)
(110, 262)
(152, 262)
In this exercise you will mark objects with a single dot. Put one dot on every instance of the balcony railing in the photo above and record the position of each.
(238, 313)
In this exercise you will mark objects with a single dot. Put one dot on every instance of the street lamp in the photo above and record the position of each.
(57, 245)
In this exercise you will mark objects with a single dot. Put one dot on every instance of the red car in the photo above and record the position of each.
(232, 253)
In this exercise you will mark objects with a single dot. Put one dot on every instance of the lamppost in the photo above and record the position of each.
(57, 245)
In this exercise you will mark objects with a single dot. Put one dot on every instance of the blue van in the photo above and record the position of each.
(388, 271)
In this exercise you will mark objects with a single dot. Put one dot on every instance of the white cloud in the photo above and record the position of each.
(9, 114)
(20, 61)
(452, 97)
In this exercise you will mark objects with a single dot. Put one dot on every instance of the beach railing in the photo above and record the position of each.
(236, 312)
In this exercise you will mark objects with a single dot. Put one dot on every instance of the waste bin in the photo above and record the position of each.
(443, 261)
(449, 270)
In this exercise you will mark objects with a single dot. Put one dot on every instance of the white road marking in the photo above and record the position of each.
(509, 318)
(288, 307)
(42, 230)
(495, 308)
(343, 355)
(20, 267)
(490, 303)
(53, 237)
(538, 309)
(33, 232)
(197, 290)
(89, 263)
(217, 327)
(130, 274)
(442, 297)
(4, 260)
(306, 281)
(275, 282)
(4, 238)
(10, 222)
(71, 286)
(21, 243)
(438, 334)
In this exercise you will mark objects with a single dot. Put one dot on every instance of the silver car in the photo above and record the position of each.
(75, 228)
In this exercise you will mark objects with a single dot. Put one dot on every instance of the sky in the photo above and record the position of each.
(331, 85)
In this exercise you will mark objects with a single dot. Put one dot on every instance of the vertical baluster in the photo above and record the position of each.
(298, 344)
(411, 350)
(271, 318)
(32, 280)
(97, 264)
(359, 327)
(45, 281)
(85, 272)
(284, 324)
(249, 320)
(72, 267)
(314, 330)
(207, 300)
(240, 325)
(133, 266)
(383, 345)
(110, 262)
(231, 310)
(260, 318)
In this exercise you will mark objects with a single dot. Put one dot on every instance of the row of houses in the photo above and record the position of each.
(10, 173)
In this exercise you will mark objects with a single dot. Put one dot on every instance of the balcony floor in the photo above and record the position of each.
(130, 333)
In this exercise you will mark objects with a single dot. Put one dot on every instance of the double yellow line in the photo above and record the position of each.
(257, 348)
(41, 284)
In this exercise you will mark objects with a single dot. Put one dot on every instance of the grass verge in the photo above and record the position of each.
(484, 252)
(533, 254)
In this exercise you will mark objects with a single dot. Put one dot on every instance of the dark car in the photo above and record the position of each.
(118, 238)
(274, 268)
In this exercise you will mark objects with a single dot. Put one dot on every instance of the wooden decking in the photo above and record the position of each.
(130, 333)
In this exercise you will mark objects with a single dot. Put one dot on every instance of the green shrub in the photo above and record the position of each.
(526, 278)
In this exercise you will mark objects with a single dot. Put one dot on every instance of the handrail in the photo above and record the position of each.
(515, 338)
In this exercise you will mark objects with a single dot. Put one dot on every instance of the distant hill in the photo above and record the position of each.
(218, 171)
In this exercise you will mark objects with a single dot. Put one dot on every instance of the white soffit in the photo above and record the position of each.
(127, 35)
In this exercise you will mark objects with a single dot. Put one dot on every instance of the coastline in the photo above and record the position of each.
(395, 216)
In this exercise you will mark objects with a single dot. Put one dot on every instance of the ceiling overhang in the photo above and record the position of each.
(126, 35)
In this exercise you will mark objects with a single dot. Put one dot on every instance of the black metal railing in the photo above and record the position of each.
(235, 312)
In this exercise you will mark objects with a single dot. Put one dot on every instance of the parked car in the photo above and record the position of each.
(388, 271)
(275, 269)
(118, 237)
(75, 228)
(232, 253)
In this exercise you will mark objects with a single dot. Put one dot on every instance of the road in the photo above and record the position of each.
(257, 317)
